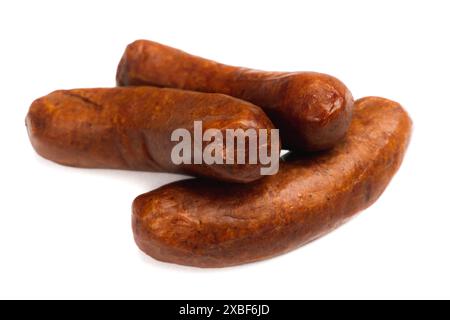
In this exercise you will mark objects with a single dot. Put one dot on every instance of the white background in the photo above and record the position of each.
(66, 233)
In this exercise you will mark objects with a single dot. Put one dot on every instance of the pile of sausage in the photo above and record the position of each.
(342, 153)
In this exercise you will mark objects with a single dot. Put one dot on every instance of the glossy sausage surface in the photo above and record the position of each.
(312, 110)
(203, 224)
(130, 128)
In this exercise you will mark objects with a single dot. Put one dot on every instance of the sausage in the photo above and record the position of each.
(130, 128)
(312, 110)
(203, 224)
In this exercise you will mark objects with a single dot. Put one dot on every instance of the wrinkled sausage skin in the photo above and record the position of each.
(203, 224)
(130, 128)
(312, 110)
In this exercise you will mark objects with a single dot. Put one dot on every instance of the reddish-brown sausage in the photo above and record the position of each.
(130, 128)
(204, 224)
(312, 110)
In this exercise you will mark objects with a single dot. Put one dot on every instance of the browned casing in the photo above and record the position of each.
(204, 224)
(312, 110)
(130, 128)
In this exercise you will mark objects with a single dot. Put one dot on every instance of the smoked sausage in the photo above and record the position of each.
(203, 224)
(312, 110)
(130, 128)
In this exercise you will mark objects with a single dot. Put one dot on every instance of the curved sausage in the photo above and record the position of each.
(203, 224)
(130, 128)
(312, 110)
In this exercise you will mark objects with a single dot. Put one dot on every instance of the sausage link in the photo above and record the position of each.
(312, 110)
(203, 224)
(130, 128)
